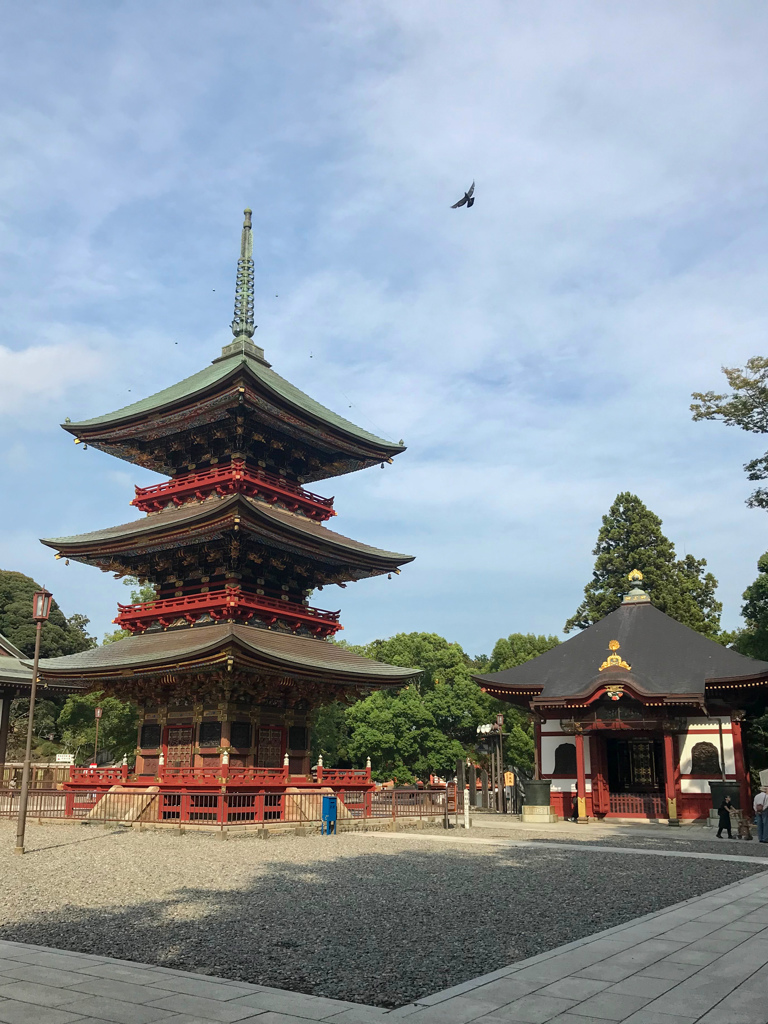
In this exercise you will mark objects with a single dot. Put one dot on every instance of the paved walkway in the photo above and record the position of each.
(624, 830)
(704, 960)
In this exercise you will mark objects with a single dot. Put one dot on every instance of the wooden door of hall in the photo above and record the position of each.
(179, 746)
(269, 752)
(599, 764)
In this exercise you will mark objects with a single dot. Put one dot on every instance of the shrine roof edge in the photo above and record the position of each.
(219, 371)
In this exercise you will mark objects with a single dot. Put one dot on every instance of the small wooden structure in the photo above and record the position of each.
(635, 716)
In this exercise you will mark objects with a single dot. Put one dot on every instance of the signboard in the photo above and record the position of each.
(65, 759)
(97, 712)
(764, 777)
(509, 778)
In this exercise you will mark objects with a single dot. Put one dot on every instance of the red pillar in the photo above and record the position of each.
(745, 789)
(670, 769)
(581, 779)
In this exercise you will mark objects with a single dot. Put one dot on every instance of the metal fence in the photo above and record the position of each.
(152, 805)
(41, 776)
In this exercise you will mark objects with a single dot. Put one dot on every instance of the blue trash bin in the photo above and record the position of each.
(328, 815)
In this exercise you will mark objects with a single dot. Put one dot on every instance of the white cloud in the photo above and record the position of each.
(536, 353)
(32, 377)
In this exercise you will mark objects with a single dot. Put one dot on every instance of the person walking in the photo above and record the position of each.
(724, 811)
(760, 804)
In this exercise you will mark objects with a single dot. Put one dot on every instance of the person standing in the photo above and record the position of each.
(760, 804)
(724, 811)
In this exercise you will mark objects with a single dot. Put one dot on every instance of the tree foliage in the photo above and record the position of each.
(425, 727)
(518, 648)
(59, 635)
(117, 729)
(630, 538)
(140, 592)
(753, 639)
(746, 407)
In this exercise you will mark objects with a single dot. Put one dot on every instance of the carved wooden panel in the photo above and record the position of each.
(179, 747)
(270, 750)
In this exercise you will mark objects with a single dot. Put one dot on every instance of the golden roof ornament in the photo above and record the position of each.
(614, 660)
(636, 595)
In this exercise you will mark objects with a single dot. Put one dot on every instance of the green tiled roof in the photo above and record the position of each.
(187, 514)
(281, 649)
(212, 375)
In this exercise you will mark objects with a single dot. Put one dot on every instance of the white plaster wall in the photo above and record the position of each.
(551, 725)
(548, 746)
(568, 786)
(696, 785)
(696, 734)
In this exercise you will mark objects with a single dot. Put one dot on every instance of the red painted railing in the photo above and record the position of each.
(146, 805)
(218, 774)
(232, 479)
(224, 604)
(112, 776)
(343, 776)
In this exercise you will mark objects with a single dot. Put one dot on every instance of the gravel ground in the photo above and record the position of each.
(368, 918)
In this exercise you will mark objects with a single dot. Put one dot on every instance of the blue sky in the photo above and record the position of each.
(536, 353)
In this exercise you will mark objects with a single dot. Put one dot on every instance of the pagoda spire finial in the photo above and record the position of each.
(242, 324)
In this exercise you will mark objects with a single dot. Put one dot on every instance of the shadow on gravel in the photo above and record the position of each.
(34, 846)
(381, 928)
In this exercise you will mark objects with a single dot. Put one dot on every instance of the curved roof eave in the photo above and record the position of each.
(282, 650)
(208, 510)
(217, 373)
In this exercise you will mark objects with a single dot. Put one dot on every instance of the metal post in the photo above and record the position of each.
(472, 785)
(492, 782)
(484, 789)
(22, 820)
(502, 790)
(722, 749)
(97, 712)
(460, 775)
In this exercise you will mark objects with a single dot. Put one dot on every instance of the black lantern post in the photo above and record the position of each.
(41, 609)
(97, 716)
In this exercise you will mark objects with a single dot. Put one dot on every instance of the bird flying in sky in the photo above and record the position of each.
(467, 198)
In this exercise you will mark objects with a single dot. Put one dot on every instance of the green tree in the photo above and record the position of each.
(631, 538)
(423, 728)
(436, 657)
(117, 729)
(330, 736)
(140, 592)
(45, 732)
(753, 639)
(400, 735)
(59, 635)
(518, 648)
(746, 407)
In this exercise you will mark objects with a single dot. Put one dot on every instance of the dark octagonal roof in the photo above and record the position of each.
(665, 658)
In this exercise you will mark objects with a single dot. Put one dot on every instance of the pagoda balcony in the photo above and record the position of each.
(227, 604)
(236, 478)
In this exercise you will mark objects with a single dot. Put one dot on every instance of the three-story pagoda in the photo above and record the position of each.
(228, 661)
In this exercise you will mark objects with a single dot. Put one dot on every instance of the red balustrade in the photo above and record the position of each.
(343, 776)
(111, 776)
(233, 479)
(228, 603)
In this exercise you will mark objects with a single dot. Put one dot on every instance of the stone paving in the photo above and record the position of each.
(704, 960)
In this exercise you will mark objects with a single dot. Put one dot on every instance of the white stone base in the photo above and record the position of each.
(538, 814)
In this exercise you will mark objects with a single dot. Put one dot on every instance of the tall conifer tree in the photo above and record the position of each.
(631, 538)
